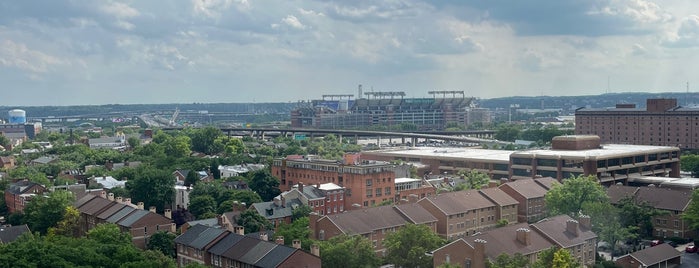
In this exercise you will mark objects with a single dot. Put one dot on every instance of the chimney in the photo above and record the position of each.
(239, 230)
(279, 240)
(263, 236)
(109, 165)
(479, 253)
(572, 227)
(140, 205)
(103, 194)
(110, 196)
(127, 201)
(296, 244)
(300, 187)
(315, 250)
(152, 209)
(168, 213)
(584, 221)
(317, 185)
(283, 201)
(524, 236)
(119, 200)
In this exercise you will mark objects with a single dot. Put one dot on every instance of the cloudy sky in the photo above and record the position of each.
(61, 52)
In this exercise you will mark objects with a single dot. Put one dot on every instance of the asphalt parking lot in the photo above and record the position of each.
(689, 259)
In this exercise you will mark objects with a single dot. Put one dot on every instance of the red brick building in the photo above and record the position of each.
(662, 122)
(18, 194)
(366, 183)
(530, 194)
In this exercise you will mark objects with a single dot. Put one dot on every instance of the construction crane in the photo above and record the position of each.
(174, 116)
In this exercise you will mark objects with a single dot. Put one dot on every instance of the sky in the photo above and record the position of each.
(80, 52)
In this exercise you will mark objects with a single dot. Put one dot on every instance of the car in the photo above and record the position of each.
(656, 242)
(672, 244)
(690, 248)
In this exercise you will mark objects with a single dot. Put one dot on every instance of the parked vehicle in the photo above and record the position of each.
(656, 242)
(690, 248)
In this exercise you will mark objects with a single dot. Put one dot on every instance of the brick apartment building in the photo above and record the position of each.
(530, 193)
(372, 223)
(463, 213)
(526, 239)
(20, 193)
(367, 183)
(673, 201)
(409, 189)
(662, 122)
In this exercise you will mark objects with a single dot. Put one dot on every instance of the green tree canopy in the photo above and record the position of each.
(42, 213)
(152, 186)
(254, 222)
(690, 163)
(264, 184)
(298, 229)
(574, 195)
(164, 242)
(407, 246)
(202, 205)
(507, 261)
(348, 251)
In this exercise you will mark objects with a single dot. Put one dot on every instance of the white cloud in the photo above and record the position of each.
(120, 10)
(18, 55)
(294, 22)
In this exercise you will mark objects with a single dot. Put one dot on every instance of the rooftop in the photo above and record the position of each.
(607, 151)
(448, 153)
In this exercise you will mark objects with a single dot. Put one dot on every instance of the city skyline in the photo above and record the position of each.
(123, 52)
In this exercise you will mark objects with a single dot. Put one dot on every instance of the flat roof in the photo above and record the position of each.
(401, 180)
(455, 153)
(607, 150)
(666, 181)
(330, 186)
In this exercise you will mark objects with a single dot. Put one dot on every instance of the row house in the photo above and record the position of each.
(673, 201)
(372, 223)
(324, 199)
(408, 189)
(464, 213)
(139, 223)
(531, 195)
(526, 239)
(216, 247)
(18, 195)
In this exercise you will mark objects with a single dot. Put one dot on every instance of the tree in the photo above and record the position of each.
(507, 261)
(42, 213)
(348, 251)
(300, 212)
(574, 195)
(298, 229)
(407, 246)
(68, 225)
(545, 258)
(177, 147)
(563, 259)
(638, 213)
(164, 242)
(254, 222)
(202, 205)
(608, 225)
(109, 233)
(191, 179)
(475, 179)
(691, 214)
(507, 133)
(133, 142)
(690, 163)
(264, 184)
(152, 186)
(203, 140)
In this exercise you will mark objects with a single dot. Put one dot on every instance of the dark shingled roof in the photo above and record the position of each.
(78, 203)
(555, 228)
(504, 240)
(276, 256)
(20, 187)
(133, 217)
(9, 234)
(362, 221)
(527, 188)
(257, 252)
(206, 237)
(192, 233)
(110, 211)
(225, 243)
(459, 202)
(415, 213)
(665, 198)
(498, 196)
(120, 214)
(547, 182)
(242, 247)
(656, 254)
(95, 206)
(618, 192)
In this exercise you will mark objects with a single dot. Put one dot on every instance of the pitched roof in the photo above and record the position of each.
(257, 252)
(415, 213)
(665, 198)
(459, 202)
(21, 187)
(225, 243)
(133, 217)
(618, 192)
(275, 256)
(120, 214)
(240, 248)
(78, 203)
(504, 240)
(110, 211)
(95, 205)
(555, 228)
(271, 211)
(199, 236)
(653, 255)
(547, 182)
(362, 221)
(11, 233)
(528, 188)
(498, 196)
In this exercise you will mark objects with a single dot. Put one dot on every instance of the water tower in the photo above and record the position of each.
(17, 116)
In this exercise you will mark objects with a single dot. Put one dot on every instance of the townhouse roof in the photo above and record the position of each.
(526, 188)
(132, 218)
(654, 255)
(110, 211)
(95, 205)
(270, 210)
(120, 214)
(311, 192)
(199, 236)
(11, 233)
(555, 228)
(660, 198)
(21, 187)
(547, 182)
(459, 202)
(275, 256)
(330, 186)
(224, 244)
(504, 240)
(240, 248)
(257, 252)
(6, 159)
(362, 221)
(211, 222)
(498, 196)
(618, 192)
(81, 201)
(415, 213)
(45, 159)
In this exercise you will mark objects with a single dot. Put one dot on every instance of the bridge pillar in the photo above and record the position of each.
(262, 134)
(378, 141)
(340, 138)
(356, 139)
(229, 133)
(413, 141)
(402, 140)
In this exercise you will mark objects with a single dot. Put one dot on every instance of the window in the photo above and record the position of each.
(378, 191)
(387, 190)
(368, 182)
